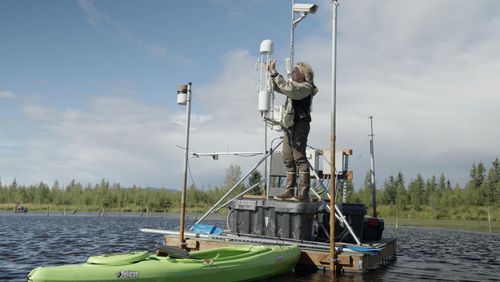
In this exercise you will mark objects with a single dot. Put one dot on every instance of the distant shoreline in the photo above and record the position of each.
(171, 214)
(452, 224)
(38, 208)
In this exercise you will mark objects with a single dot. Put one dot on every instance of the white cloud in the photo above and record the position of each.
(116, 138)
(428, 77)
(232, 96)
(128, 141)
(236, 125)
(39, 113)
(7, 95)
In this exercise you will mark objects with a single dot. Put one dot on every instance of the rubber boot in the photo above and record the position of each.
(290, 187)
(305, 185)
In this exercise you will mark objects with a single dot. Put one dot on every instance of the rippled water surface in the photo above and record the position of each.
(30, 240)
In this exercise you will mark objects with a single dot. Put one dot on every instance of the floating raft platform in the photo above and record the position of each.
(314, 255)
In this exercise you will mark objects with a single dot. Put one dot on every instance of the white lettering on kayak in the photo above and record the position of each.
(127, 274)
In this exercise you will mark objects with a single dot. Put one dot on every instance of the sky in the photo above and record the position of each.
(88, 88)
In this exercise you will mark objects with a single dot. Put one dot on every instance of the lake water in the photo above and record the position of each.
(30, 240)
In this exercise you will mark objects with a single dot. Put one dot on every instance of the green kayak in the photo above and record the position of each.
(237, 263)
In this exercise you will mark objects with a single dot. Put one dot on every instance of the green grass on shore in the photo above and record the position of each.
(472, 225)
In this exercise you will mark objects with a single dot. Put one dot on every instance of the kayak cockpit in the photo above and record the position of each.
(222, 254)
(118, 258)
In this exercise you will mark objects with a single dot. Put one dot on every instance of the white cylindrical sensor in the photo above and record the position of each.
(264, 101)
(182, 94)
(288, 66)
(182, 98)
(266, 46)
(264, 87)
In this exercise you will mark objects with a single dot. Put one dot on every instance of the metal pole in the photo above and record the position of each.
(269, 87)
(333, 254)
(292, 37)
(184, 179)
(268, 173)
(372, 171)
(344, 191)
(268, 181)
(265, 162)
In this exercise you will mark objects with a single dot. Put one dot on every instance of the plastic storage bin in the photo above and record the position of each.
(354, 214)
(373, 228)
(282, 219)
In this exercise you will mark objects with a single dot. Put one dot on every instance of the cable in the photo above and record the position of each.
(247, 156)
(228, 218)
(196, 188)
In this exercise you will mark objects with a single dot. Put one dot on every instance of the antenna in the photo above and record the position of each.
(372, 170)
(265, 89)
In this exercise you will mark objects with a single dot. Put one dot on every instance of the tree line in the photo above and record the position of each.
(436, 196)
(114, 196)
(433, 197)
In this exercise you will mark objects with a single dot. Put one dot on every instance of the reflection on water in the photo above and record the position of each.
(30, 240)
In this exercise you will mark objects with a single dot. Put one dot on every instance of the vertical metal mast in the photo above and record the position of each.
(292, 36)
(266, 184)
(186, 155)
(333, 255)
(372, 171)
(266, 98)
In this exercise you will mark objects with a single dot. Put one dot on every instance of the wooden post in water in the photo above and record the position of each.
(48, 210)
(333, 254)
(184, 100)
(489, 219)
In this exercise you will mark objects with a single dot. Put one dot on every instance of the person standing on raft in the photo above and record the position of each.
(296, 124)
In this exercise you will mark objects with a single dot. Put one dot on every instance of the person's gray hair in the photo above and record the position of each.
(307, 71)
